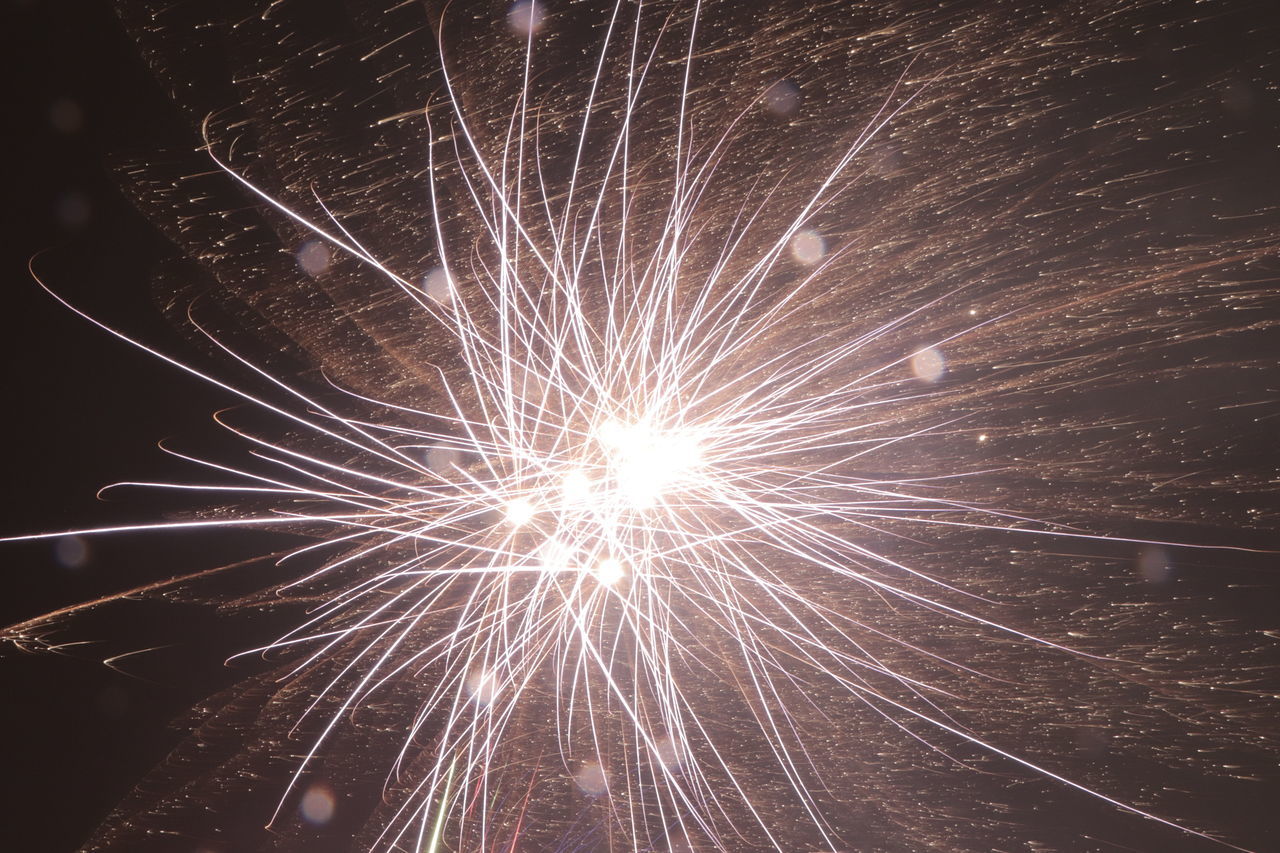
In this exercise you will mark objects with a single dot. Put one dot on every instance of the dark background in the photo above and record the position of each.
(82, 410)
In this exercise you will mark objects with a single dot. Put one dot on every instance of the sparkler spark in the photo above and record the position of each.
(651, 511)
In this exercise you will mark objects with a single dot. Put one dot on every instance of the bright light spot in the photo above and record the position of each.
(808, 247)
(575, 487)
(318, 804)
(482, 686)
(525, 17)
(592, 779)
(610, 571)
(928, 365)
(973, 312)
(439, 286)
(519, 511)
(612, 434)
(645, 462)
(982, 439)
(314, 257)
(782, 98)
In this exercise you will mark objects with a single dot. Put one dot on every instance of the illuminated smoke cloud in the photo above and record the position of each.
(1154, 564)
(71, 552)
(66, 116)
(929, 365)
(592, 779)
(443, 459)
(73, 210)
(782, 99)
(526, 17)
(808, 247)
(439, 286)
(482, 686)
(314, 257)
(318, 804)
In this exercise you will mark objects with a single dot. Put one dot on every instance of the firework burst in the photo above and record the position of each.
(638, 467)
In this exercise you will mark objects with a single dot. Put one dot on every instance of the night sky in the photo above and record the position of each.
(83, 410)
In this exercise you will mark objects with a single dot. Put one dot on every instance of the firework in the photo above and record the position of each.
(682, 430)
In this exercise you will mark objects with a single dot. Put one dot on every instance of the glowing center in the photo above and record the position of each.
(519, 511)
(610, 571)
(646, 463)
